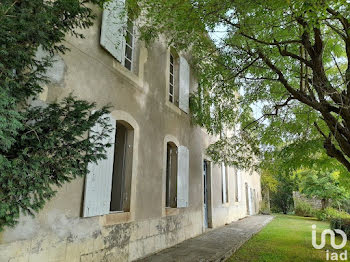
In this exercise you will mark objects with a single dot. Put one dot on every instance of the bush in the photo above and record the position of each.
(322, 215)
(341, 223)
(304, 209)
(330, 213)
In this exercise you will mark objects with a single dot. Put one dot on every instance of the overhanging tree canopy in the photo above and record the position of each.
(289, 56)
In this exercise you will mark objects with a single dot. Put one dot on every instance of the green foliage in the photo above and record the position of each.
(247, 56)
(268, 184)
(282, 198)
(322, 185)
(342, 224)
(268, 180)
(322, 215)
(343, 205)
(304, 209)
(330, 213)
(40, 147)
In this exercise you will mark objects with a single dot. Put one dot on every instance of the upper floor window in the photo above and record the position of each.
(179, 81)
(172, 79)
(117, 33)
(129, 45)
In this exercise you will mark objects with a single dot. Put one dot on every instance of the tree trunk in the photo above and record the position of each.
(268, 205)
(324, 203)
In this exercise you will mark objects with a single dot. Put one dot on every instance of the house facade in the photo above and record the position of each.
(157, 187)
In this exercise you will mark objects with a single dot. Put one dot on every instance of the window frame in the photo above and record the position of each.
(99, 185)
(127, 167)
(173, 73)
(224, 186)
(129, 45)
(236, 185)
(172, 77)
(171, 176)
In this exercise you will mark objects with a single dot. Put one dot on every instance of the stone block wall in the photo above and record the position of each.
(117, 243)
(314, 202)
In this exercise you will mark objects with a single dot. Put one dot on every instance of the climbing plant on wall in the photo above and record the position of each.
(41, 147)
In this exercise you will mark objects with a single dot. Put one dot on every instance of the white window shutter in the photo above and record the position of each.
(239, 186)
(250, 201)
(223, 174)
(184, 87)
(98, 182)
(183, 167)
(113, 26)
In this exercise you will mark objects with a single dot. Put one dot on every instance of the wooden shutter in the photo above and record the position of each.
(183, 176)
(223, 174)
(98, 182)
(250, 201)
(239, 186)
(113, 27)
(184, 87)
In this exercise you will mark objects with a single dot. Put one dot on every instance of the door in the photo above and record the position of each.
(205, 179)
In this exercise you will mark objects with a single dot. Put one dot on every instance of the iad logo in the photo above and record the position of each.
(330, 256)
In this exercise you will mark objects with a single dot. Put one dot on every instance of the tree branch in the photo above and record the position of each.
(276, 107)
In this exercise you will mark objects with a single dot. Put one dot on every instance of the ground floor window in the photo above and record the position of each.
(122, 167)
(171, 175)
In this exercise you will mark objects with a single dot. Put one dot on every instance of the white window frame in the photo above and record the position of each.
(125, 45)
(172, 75)
(224, 183)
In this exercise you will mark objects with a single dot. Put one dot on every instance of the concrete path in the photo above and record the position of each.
(215, 245)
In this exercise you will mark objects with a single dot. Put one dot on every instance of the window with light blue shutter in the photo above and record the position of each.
(184, 85)
(239, 186)
(114, 21)
(183, 177)
(98, 182)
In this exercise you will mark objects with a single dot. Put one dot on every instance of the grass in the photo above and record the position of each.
(286, 238)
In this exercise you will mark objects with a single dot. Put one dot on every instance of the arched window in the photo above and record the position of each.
(171, 175)
(108, 183)
(122, 167)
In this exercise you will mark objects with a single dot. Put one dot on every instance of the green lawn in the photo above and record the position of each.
(286, 238)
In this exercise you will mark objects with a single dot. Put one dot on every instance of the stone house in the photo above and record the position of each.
(157, 187)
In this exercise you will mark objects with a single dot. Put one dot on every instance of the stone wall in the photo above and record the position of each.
(314, 202)
(122, 242)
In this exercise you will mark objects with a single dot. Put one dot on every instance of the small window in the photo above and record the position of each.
(122, 168)
(171, 175)
(129, 45)
(174, 78)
